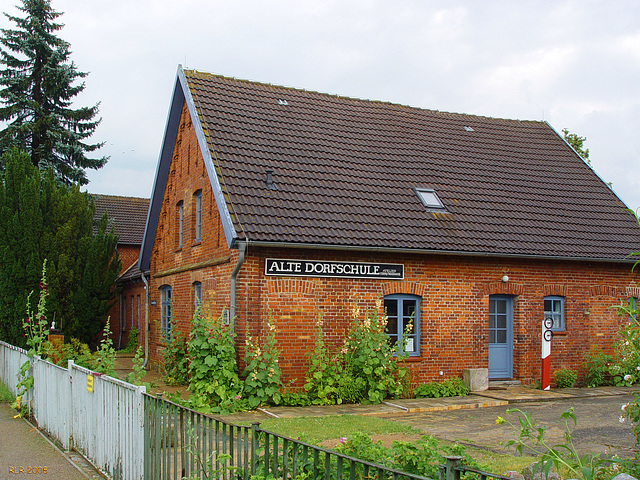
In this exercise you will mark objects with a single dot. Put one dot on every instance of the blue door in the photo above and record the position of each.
(500, 336)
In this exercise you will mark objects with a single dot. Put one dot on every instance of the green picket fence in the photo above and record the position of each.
(182, 443)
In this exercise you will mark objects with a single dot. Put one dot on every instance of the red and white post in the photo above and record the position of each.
(547, 335)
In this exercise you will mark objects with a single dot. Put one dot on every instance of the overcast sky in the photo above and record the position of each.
(575, 64)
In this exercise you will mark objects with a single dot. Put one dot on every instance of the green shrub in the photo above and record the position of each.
(421, 457)
(364, 370)
(596, 365)
(565, 378)
(452, 387)
(176, 360)
(213, 372)
(132, 341)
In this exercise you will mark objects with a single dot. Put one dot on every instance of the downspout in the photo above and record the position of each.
(242, 247)
(146, 320)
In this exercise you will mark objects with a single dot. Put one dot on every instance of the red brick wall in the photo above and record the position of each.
(454, 308)
(128, 256)
(208, 261)
(454, 290)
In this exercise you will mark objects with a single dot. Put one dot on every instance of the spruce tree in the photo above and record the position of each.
(37, 86)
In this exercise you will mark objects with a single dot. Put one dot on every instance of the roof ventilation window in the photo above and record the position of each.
(468, 129)
(430, 199)
(283, 102)
(269, 183)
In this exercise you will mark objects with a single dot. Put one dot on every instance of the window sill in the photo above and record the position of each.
(560, 333)
(412, 358)
(195, 244)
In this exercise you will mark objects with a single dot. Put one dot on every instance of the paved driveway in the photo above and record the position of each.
(598, 427)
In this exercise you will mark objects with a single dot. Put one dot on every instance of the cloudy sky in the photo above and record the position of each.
(575, 64)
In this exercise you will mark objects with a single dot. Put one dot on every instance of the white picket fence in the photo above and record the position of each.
(106, 424)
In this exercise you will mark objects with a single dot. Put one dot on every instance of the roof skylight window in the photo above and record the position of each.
(283, 102)
(430, 199)
(469, 129)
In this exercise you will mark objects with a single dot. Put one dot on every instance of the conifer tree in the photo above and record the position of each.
(41, 219)
(37, 86)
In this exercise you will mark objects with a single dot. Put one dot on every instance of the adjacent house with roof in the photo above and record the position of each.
(274, 201)
(127, 216)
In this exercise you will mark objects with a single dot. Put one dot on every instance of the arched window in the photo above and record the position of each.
(166, 320)
(403, 322)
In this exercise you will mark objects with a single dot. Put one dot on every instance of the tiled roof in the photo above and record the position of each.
(131, 274)
(128, 215)
(345, 171)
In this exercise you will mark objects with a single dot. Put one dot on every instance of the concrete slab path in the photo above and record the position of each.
(27, 453)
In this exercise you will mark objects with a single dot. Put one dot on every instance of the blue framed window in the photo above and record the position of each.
(403, 322)
(197, 197)
(554, 309)
(166, 319)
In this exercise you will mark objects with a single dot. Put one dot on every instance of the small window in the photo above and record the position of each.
(554, 309)
(197, 294)
(403, 322)
(139, 314)
(197, 197)
(180, 223)
(166, 321)
(133, 311)
(430, 199)
(123, 312)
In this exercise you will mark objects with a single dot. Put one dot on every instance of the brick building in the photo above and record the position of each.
(127, 216)
(295, 204)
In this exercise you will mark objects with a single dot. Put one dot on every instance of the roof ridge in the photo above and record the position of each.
(202, 74)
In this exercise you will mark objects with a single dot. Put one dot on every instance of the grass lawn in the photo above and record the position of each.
(5, 394)
(316, 430)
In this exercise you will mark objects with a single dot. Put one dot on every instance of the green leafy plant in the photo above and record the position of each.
(596, 365)
(105, 354)
(136, 377)
(451, 387)
(421, 457)
(214, 383)
(176, 360)
(35, 328)
(325, 373)
(263, 384)
(565, 378)
(370, 356)
(132, 341)
(530, 436)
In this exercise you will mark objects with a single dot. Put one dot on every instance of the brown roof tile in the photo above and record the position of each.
(346, 170)
(128, 215)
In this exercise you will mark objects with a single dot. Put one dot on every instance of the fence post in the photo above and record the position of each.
(73, 407)
(255, 427)
(451, 464)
